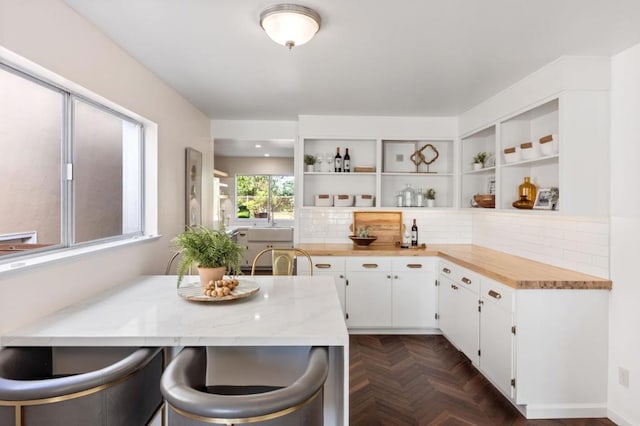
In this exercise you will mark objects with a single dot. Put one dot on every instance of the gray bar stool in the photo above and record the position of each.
(192, 403)
(126, 392)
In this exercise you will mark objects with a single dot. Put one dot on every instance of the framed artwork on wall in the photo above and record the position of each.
(193, 189)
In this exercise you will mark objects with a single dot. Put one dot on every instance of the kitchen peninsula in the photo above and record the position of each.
(287, 312)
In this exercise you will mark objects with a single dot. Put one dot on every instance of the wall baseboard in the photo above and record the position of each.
(565, 411)
(618, 419)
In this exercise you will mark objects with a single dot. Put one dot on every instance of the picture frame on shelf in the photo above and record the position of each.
(546, 199)
(491, 185)
(397, 157)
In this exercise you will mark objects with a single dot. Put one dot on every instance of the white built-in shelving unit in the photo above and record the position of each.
(386, 180)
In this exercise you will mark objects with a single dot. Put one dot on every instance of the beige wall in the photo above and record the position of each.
(55, 37)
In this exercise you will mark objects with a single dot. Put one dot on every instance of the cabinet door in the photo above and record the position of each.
(496, 337)
(446, 307)
(329, 266)
(414, 295)
(458, 317)
(467, 317)
(369, 299)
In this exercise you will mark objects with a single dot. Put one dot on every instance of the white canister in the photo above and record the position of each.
(549, 145)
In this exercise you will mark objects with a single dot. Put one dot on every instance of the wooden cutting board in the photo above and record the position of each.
(387, 226)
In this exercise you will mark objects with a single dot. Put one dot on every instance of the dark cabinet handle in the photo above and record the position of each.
(495, 294)
(323, 265)
(446, 270)
(455, 287)
(466, 280)
(414, 265)
(370, 265)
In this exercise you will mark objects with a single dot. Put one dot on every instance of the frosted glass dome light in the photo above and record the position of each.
(290, 24)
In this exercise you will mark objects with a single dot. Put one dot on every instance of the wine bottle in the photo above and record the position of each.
(414, 234)
(346, 162)
(337, 161)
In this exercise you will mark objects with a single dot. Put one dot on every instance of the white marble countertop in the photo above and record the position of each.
(287, 311)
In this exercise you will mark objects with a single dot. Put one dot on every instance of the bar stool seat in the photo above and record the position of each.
(191, 402)
(125, 392)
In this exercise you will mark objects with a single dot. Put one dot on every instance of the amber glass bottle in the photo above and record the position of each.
(527, 189)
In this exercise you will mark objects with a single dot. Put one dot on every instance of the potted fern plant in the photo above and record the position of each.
(213, 251)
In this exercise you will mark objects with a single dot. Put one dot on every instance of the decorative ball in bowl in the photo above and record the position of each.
(362, 241)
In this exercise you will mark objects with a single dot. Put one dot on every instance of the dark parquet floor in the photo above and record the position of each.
(424, 380)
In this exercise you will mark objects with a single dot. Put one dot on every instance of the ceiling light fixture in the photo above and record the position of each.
(290, 24)
(258, 145)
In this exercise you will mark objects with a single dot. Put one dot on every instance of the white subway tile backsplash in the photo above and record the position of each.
(330, 225)
(578, 243)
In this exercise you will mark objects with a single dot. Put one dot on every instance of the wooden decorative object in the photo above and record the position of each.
(421, 246)
(193, 292)
(364, 169)
(424, 156)
(488, 201)
(387, 226)
(417, 158)
(420, 156)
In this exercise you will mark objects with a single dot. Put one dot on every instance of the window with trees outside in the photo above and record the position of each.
(264, 197)
(72, 168)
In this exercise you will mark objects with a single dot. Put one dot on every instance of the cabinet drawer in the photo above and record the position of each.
(448, 270)
(370, 264)
(468, 279)
(460, 276)
(413, 264)
(497, 293)
(327, 264)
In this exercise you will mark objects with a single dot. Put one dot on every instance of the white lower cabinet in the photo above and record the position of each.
(327, 265)
(458, 313)
(369, 292)
(544, 349)
(496, 336)
(383, 293)
(413, 292)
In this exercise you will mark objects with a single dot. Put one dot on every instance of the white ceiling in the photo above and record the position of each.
(254, 148)
(375, 57)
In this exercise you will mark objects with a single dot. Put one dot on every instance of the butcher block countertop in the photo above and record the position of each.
(514, 271)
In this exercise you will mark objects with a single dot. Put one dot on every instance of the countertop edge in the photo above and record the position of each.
(581, 282)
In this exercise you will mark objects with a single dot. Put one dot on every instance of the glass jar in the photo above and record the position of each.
(399, 199)
(419, 198)
(408, 196)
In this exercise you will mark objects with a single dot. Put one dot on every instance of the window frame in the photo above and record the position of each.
(67, 196)
(269, 217)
